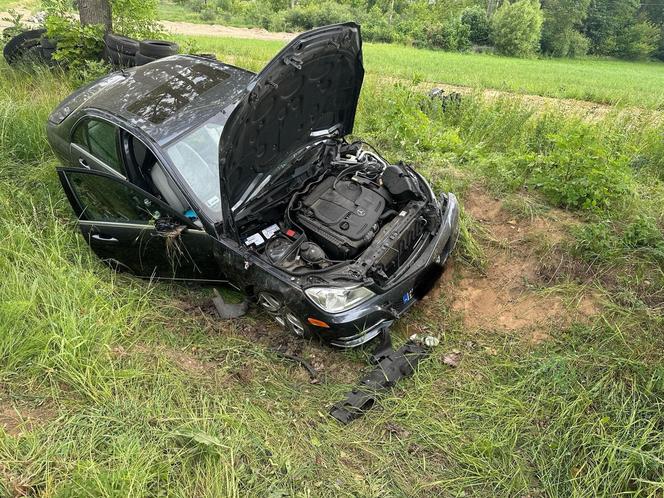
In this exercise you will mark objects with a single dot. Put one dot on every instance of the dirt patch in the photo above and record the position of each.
(16, 419)
(195, 29)
(509, 296)
(189, 361)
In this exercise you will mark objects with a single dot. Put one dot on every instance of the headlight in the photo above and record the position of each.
(337, 299)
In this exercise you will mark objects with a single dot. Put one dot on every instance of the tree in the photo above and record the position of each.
(516, 28)
(606, 20)
(478, 24)
(96, 12)
(563, 20)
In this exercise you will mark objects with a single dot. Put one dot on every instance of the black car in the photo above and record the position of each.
(189, 168)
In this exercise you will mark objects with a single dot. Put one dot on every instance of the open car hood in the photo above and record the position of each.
(307, 92)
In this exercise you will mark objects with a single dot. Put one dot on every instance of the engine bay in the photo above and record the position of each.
(353, 210)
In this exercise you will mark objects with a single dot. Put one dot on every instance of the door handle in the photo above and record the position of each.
(83, 163)
(103, 238)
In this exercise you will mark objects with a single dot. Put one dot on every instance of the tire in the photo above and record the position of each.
(157, 48)
(22, 43)
(118, 59)
(121, 44)
(141, 59)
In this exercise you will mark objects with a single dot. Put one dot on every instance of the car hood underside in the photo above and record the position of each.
(308, 91)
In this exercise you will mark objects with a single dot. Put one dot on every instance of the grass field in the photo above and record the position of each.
(601, 81)
(552, 310)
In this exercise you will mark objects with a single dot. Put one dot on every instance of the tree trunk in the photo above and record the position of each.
(96, 12)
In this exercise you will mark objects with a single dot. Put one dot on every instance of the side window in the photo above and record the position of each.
(100, 139)
(105, 199)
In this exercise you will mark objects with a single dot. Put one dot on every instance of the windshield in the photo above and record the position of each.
(196, 157)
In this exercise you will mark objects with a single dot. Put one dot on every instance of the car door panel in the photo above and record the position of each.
(117, 220)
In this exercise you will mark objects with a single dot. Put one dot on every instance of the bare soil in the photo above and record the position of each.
(16, 419)
(511, 294)
(195, 29)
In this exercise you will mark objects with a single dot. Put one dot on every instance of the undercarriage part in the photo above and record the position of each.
(391, 366)
(226, 310)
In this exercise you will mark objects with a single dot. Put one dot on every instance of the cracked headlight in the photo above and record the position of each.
(337, 299)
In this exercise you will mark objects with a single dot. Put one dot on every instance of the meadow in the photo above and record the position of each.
(601, 81)
(548, 380)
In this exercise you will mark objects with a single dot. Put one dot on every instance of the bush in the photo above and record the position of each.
(478, 25)
(315, 15)
(568, 43)
(449, 35)
(208, 14)
(376, 28)
(638, 41)
(578, 171)
(76, 43)
(516, 28)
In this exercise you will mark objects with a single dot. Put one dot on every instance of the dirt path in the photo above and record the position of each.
(195, 29)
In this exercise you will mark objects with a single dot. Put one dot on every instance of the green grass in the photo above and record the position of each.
(594, 80)
(5, 5)
(132, 389)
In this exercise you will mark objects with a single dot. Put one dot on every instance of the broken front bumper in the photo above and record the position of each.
(363, 323)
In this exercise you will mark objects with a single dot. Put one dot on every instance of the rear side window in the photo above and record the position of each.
(100, 139)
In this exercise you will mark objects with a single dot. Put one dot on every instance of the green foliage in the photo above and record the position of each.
(449, 35)
(616, 27)
(308, 16)
(638, 41)
(76, 44)
(16, 24)
(136, 18)
(562, 22)
(516, 28)
(131, 389)
(478, 24)
(579, 172)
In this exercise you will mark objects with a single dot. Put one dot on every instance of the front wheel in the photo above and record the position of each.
(273, 304)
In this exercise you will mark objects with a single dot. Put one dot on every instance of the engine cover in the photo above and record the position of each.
(342, 218)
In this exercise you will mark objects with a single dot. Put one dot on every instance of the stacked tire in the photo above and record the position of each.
(120, 50)
(25, 47)
(127, 52)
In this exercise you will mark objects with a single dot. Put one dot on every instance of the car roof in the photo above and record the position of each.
(171, 96)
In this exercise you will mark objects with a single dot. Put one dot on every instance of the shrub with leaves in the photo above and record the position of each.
(638, 41)
(76, 43)
(478, 25)
(580, 172)
(516, 28)
(449, 35)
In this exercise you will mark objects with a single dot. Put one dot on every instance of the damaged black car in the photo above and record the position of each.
(188, 168)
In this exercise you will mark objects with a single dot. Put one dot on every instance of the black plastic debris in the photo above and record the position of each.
(391, 366)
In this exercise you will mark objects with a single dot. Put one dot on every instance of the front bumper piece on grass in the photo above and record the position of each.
(391, 366)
